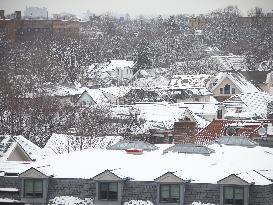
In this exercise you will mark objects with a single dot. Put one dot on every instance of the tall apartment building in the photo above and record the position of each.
(21, 29)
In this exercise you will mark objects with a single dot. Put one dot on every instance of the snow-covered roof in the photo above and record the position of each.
(238, 79)
(116, 91)
(118, 64)
(152, 81)
(189, 149)
(61, 90)
(200, 80)
(231, 62)
(62, 143)
(202, 108)
(248, 104)
(8, 144)
(97, 95)
(226, 160)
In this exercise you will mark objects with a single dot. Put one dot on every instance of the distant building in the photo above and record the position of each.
(22, 29)
(36, 13)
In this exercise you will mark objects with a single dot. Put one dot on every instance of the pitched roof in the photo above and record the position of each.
(238, 79)
(255, 104)
(189, 149)
(126, 144)
(236, 141)
(231, 62)
(214, 130)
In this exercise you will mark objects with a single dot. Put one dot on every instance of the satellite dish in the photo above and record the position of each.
(230, 131)
(262, 132)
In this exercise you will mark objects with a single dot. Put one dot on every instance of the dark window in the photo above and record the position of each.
(233, 195)
(233, 91)
(227, 89)
(219, 114)
(169, 193)
(33, 188)
(108, 191)
(221, 90)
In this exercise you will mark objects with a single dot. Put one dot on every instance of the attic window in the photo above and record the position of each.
(227, 89)
(33, 188)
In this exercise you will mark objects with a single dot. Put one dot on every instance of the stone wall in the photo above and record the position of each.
(205, 193)
(261, 195)
(81, 188)
(139, 191)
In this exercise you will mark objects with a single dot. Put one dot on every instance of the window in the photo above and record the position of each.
(233, 195)
(169, 193)
(108, 191)
(233, 91)
(227, 89)
(221, 90)
(33, 188)
(219, 114)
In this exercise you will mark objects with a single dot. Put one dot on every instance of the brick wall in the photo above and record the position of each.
(206, 193)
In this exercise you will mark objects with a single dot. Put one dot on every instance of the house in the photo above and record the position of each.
(204, 175)
(113, 72)
(18, 148)
(247, 106)
(114, 93)
(91, 97)
(227, 84)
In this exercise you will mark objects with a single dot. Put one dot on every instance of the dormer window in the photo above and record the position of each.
(33, 188)
(169, 193)
(233, 195)
(108, 191)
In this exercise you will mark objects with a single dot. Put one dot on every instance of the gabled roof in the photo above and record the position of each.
(33, 173)
(254, 103)
(8, 147)
(236, 141)
(214, 130)
(238, 79)
(96, 94)
(107, 175)
(120, 64)
(232, 180)
(168, 177)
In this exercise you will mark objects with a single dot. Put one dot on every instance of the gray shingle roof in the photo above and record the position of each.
(126, 144)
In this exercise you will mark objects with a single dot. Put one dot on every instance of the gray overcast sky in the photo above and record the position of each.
(135, 7)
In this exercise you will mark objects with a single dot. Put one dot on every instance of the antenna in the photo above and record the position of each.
(230, 131)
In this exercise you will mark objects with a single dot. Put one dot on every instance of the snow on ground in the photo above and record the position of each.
(7, 200)
(138, 202)
(200, 203)
(70, 200)
(146, 167)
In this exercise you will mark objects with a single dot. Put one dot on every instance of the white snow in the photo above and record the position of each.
(187, 81)
(9, 190)
(200, 203)
(138, 202)
(146, 167)
(7, 200)
(70, 200)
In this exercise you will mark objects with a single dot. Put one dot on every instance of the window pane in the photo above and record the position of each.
(175, 191)
(38, 186)
(239, 193)
(28, 186)
(113, 187)
(228, 193)
(104, 186)
(164, 193)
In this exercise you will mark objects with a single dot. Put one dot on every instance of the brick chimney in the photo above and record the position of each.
(18, 15)
(2, 14)
(184, 131)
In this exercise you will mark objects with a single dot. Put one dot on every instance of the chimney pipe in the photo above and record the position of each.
(2, 14)
(18, 15)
